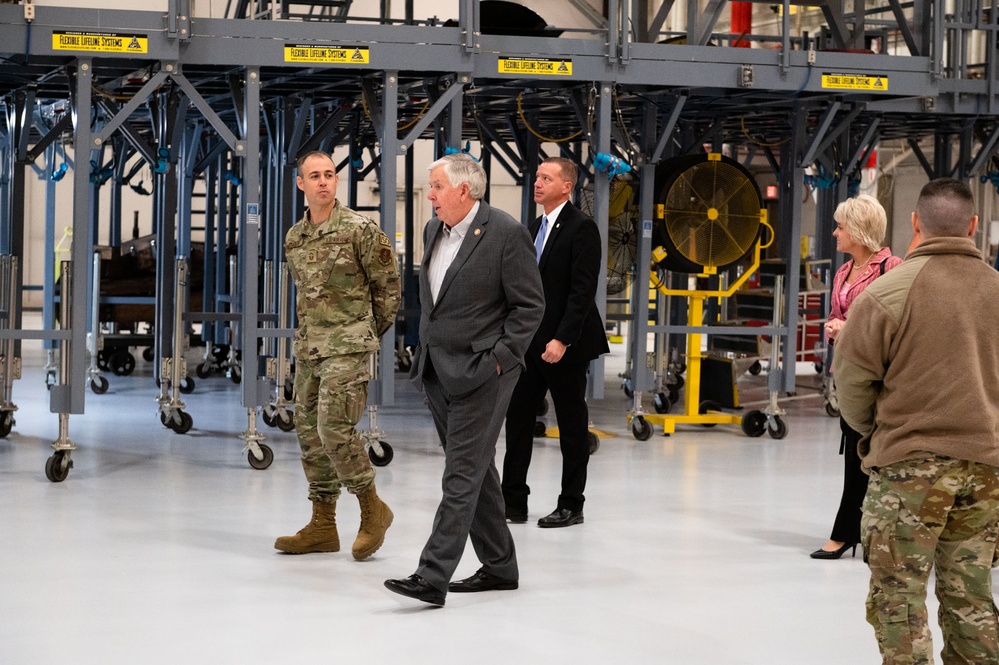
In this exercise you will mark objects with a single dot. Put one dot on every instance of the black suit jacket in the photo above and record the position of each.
(570, 266)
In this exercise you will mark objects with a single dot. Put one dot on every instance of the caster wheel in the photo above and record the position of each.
(542, 407)
(831, 410)
(202, 371)
(777, 429)
(285, 422)
(641, 429)
(594, 441)
(57, 467)
(148, 354)
(183, 427)
(626, 387)
(122, 363)
(263, 462)
(755, 368)
(405, 363)
(708, 405)
(6, 423)
(679, 383)
(384, 458)
(539, 429)
(102, 361)
(289, 389)
(236, 374)
(187, 385)
(164, 420)
(269, 419)
(186, 422)
(818, 366)
(673, 393)
(99, 385)
(754, 423)
(662, 403)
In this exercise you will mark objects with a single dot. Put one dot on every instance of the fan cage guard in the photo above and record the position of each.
(710, 212)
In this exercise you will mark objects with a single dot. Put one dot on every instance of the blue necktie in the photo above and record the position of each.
(539, 241)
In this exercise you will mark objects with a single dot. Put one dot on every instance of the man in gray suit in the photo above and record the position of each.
(482, 300)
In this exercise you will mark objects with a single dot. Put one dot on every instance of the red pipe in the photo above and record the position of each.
(742, 22)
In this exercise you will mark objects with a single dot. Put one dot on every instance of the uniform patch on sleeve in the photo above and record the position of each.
(385, 256)
(383, 240)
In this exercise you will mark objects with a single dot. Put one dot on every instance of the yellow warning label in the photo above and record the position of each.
(105, 42)
(544, 66)
(340, 55)
(875, 82)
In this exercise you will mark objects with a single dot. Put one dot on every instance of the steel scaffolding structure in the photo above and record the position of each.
(224, 106)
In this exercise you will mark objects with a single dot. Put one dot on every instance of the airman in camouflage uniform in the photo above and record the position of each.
(913, 510)
(347, 282)
(917, 373)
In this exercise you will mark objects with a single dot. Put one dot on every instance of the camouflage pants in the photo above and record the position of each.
(330, 397)
(926, 512)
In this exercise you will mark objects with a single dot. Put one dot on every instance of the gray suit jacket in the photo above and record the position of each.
(489, 306)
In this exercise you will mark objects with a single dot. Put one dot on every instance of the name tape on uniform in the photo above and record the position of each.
(544, 66)
(873, 82)
(327, 55)
(104, 42)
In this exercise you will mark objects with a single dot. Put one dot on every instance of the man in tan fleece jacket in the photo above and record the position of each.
(917, 372)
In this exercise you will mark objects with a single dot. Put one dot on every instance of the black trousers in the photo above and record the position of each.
(846, 528)
(567, 384)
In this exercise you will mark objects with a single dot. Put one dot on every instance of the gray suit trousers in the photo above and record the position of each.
(472, 504)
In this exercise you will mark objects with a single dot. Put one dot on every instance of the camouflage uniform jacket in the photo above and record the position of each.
(347, 282)
(917, 363)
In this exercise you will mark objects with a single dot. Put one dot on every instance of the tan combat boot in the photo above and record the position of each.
(375, 520)
(319, 535)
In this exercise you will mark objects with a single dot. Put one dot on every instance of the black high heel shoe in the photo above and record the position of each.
(835, 554)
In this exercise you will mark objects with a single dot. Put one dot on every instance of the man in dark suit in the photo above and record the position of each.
(481, 301)
(570, 336)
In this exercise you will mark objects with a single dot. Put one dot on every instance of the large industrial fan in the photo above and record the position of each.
(622, 233)
(709, 215)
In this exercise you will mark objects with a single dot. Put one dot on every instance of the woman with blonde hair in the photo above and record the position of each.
(861, 224)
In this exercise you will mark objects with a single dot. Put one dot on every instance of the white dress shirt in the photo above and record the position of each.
(446, 249)
(551, 221)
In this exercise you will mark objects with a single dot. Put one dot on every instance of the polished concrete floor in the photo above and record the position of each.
(158, 547)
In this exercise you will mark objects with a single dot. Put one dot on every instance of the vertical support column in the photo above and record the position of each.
(83, 242)
(255, 388)
(383, 389)
(25, 108)
(638, 335)
(601, 204)
(165, 225)
(48, 282)
(788, 234)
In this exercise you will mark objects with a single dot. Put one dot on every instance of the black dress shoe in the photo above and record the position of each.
(416, 587)
(482, 581)
(561, 517)
(516, 516)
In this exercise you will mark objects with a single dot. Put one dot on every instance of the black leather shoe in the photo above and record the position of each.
(482, 581)
(516, 516)
(416, 587)
(561, 517)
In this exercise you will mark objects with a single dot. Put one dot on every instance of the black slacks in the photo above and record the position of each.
(846, 528)
(567, 384)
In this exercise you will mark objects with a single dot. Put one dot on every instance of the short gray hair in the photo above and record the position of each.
(459, 168)
(864, 219)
